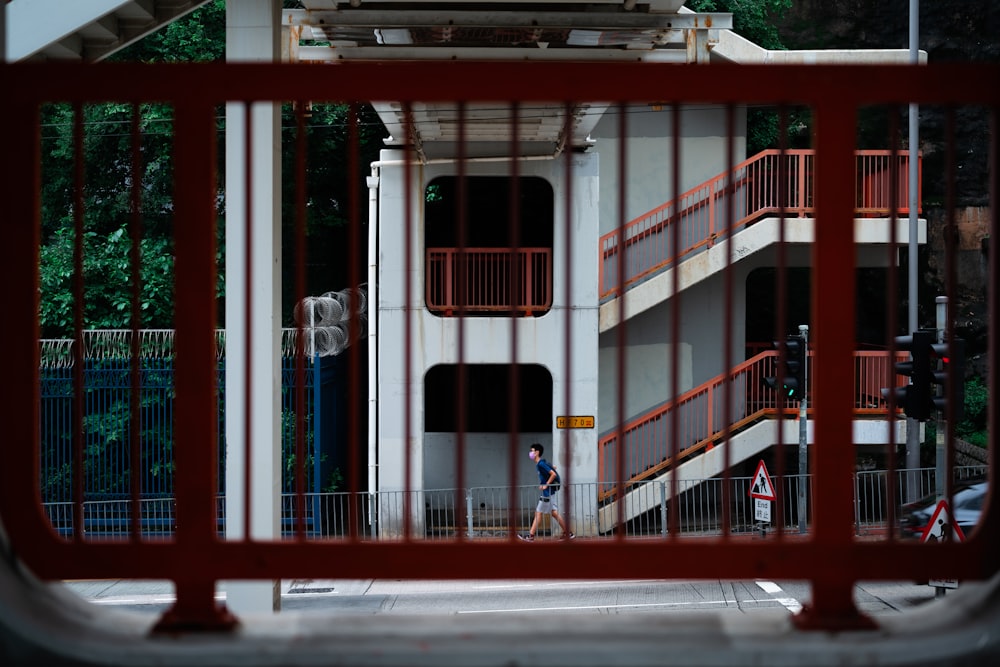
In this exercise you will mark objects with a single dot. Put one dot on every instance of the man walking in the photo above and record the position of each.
(549, 484)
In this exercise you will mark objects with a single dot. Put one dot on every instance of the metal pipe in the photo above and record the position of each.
(373, 183)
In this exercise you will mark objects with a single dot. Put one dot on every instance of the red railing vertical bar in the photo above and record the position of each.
(195, 379)
(248, 366)
(781, 299)
(832, 603)
(20, 190)
(727, 315)
(673, 425)
(409, 155)
(299, 384)
(79, 444)
(461, 222)
(891, 314)
(514, 287)
(993, 305)
(622, 330)
(354, 237)
(135, 322)
(567, 251)
(951, 292)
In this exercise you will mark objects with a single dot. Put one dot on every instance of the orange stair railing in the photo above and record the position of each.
(647, 450)
(759, 186)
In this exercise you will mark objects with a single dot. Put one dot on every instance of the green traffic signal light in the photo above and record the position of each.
(792, 353)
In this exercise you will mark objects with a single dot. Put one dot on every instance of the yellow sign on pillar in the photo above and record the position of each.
(575, 422)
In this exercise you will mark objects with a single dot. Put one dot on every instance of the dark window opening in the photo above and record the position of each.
(761, 286)
(487, 220)
(486, 395)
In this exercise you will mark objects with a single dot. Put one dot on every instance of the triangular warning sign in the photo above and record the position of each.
(941, 528)
(760, 485)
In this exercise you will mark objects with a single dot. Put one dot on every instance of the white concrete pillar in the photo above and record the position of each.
(253, 31)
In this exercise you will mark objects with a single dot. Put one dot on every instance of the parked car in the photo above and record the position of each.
(965, 509)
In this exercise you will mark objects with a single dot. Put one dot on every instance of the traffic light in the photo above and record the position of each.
(914, 398)
(792, 378)
(950, 358)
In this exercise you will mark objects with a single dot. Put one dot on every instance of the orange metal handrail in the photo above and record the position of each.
(489, 280)
(701, 422)
(755, 185)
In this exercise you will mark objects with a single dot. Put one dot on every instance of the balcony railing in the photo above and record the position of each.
(489, 280)
(763, 185)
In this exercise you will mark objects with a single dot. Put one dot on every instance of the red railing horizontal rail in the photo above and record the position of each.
(762, 185)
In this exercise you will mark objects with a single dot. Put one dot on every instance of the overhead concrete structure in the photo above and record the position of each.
(85, 30)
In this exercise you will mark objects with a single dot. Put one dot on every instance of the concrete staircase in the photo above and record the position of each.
(84, 30)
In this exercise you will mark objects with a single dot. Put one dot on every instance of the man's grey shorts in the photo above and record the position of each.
(550, 504)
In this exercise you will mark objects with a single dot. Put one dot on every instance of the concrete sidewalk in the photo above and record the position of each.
(161, 592)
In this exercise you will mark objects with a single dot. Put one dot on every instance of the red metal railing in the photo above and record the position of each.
(489, 280)
(760, 186)
(829, 558)
(648, 450)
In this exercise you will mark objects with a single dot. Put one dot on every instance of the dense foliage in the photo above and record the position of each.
(333, 195)
(756, 21)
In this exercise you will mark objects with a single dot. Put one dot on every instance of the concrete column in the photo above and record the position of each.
(253, 35)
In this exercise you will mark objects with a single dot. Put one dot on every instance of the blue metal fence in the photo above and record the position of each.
(106, 419)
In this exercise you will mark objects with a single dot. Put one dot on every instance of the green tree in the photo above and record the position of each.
(107, 192)
(198, 37)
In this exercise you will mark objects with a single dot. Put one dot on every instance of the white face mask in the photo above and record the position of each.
(532, 455)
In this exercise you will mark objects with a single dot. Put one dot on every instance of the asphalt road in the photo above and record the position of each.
(386, 596)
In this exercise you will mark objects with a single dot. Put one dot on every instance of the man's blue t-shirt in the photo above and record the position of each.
(544, 471)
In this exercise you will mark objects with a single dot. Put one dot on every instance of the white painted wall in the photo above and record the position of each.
(487, 460)
(649, 152)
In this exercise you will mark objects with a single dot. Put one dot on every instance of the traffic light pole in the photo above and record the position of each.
(803, 452)
(940, 439)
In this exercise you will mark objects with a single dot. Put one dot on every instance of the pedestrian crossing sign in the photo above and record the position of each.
(761, 486)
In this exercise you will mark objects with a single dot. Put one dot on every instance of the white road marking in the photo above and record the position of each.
(595, 606)
(170, 599)
(771, 588)
(560, 584)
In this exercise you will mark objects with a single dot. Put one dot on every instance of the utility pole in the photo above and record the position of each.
(803, 451)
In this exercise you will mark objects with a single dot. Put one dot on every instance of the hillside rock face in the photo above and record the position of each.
(949, 31)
